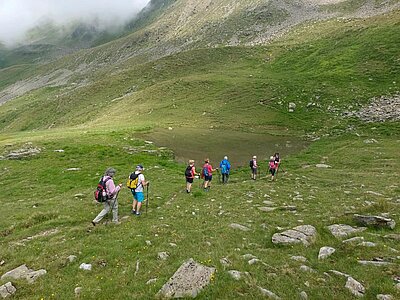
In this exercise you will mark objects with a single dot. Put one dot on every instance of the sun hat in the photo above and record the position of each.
(271, 158)
(226, 157)
(191, 161)
(254, 157)
(139, 168)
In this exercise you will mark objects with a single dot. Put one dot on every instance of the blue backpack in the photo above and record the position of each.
(205, 172)
(224, 168)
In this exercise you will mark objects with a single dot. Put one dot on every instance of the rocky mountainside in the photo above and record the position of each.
(166, 27)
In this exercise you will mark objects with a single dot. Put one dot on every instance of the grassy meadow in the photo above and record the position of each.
(334, 65)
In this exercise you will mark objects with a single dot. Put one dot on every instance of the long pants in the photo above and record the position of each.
(225, 178)
(113, 203)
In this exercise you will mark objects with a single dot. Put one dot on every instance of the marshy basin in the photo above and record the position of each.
(198, 144)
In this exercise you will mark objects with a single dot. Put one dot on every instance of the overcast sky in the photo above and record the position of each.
(17, 16)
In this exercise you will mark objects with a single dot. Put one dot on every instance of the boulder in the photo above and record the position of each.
(23, 272)
(7, 290)
(304, 234)
(325, 252)
(355, 287)
(268, 293)
(238, 226)
(375, 221)
(343, 230)
(190, 278)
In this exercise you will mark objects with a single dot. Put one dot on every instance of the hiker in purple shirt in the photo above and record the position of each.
(112, 193)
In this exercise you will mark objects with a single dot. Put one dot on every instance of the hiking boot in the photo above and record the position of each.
(137, 213)
(133, 212)
(93, 223)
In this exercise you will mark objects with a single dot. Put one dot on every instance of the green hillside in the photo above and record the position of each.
(109, 104)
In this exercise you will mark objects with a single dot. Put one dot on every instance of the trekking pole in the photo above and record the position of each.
(147, 197)
(112, 207)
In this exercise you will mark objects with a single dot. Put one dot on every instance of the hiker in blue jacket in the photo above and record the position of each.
(225, 168)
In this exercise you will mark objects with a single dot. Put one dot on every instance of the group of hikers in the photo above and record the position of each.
(224, 169)
(107, 191)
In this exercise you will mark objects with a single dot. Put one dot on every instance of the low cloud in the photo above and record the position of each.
(18, 16)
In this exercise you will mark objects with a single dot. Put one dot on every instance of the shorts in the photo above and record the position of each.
(138, 196)
(254, 171)
(189, 180)
(272, 171)
(208, 178)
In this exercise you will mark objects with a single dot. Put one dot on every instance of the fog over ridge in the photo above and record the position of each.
(18, 16)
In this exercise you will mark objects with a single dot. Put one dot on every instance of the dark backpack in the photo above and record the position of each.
(251, 163)
(188, 172)
(100, 194)
(205, 172)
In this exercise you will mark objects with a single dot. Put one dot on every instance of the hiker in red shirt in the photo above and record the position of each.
(272, 167)
(207, 174)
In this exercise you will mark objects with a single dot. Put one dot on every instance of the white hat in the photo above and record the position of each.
(254, 157)
(226, 157)
(271, 158)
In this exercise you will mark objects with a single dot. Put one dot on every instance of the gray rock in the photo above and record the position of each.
(322, 166)
(325, 252)
(17, 273)
(339, 273)
(7, 290)
(299, 258)
(172, 244)
(248, 256)
(163, 255)
(375, 221)
(384, 297)
(307, 269)
(267, 209)
(393, 236)
(343, 230)
(225, 262)
(188, 281)
(303, 295)
(148, 243)
(73, 169)
(23, 272)
(32, 276)
(268, 293)
(151, 281)
(397, 286)
(71, 258)
(2, 262)
(301, 234)
(78, 291)
(354, 240)
(269, 203)
(86, 267)
(253, 261)
(355, 287)
(374, 263)
(367, 244)
(238, 226)
(235, 274)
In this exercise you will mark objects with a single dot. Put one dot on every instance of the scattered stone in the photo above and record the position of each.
(235, 274)
(248, 256)
(86, 267)
(225, 262)
(268, 293)
(78, 291)
(267, 209)
(59, 150)
(397, 286)
(151, 281)
(374, 263)
(303, 295)
(253, 261)
(384, 297)
(238, 226)
(7, 290)
(163, 255)
(17, 273)
(137, 268)
(355, 287)
(73, 169)
(267, 202)
(299, 258)
(353, 240)
(323, 166)
(23, 153)
(291, 106)
(71, 258)
(373, 193)
(79, 196)
(367, 244)
(32, 276)
(376, 221)
(188, 280)
(393, 236)
(307, 269)
(172, 244)
(300, 234)
(339, 273)
(325, 252)
(343, 230)
(148, 243)
(2, 263)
